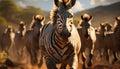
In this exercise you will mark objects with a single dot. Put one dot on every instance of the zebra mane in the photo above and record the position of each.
(53, 14)
(37, 17)
(22, 23)
(62, 5)
(8, 29)
(116, 24)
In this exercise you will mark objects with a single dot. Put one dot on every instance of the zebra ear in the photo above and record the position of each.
(56, 2)
(22, 22)
(100, 24)
(103, 24)
(82, 17)
(90, 18)
(117, 18)
(70, 3)
(43, 18)
(34, 17)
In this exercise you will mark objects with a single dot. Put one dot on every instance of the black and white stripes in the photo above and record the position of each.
(59, 41)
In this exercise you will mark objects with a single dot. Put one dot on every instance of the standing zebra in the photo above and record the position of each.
(100, 49)
(32, 38)
(7, 39)
(88, 38)
(19, 38)
(59, 40)
(113, 41)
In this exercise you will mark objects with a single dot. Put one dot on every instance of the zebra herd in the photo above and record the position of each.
(60, 42)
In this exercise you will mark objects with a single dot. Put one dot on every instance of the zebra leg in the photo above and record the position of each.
(89, 60)
(81, 61)
(107, 55)
(40, 60)
(88, 57)
(115, 58)
(73, 63)
(31, 55)
(63, 66)
(34, 55)
(51, 64)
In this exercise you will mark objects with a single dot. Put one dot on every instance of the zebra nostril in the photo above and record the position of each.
(60, 25)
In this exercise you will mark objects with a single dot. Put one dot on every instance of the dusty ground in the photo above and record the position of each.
(102, 66)
(97, 65)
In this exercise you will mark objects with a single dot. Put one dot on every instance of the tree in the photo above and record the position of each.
(27, 13)
(76, 20)
(9, 9)
(3, 24)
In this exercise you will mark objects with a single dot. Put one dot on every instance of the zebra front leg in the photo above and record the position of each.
(31, 56)
(73, 63)
(50, 63)
(40, 59)
(63, 66)
(115, 58)
(88, 57)
(81, 61)
(35, 56)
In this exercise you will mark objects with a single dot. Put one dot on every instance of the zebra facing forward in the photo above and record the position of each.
(59, 40)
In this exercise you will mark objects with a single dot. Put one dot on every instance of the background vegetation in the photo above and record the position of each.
(12, 14)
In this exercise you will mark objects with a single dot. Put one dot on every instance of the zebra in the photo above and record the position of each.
(19, 37)
(7, 39)
(59, 40)
(88, 37)
(101, 50)
(31, 38)
(112, 40)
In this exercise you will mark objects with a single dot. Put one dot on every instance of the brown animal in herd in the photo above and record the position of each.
(32, 37)
(59, 39)
(107, 43)
(19, 38)
(88, 37)
(117, 32)
(100, 49)
(7, 39)
(112, 40)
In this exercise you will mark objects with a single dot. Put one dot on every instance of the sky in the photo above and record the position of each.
(79, 6)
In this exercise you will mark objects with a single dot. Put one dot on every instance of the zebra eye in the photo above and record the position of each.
(81, 24)
(70, 16)
(58, 16)
(70, 22)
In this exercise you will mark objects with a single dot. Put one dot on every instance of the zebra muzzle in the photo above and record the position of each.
(65, 33)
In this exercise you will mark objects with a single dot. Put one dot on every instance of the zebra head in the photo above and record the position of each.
(118, 20)
(62, 17)
(22, 27)
(109, 27)
(8, 30)
(37, 23)
(117, 24)
(85, 24)
(103, 27)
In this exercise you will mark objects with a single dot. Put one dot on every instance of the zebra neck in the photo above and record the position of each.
(102, 33)
(61, 42)
(21, 33)
(117, 33)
